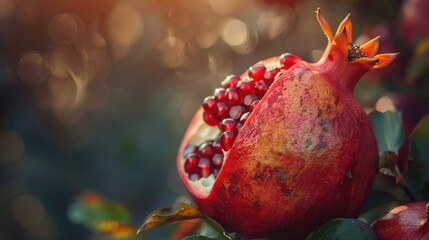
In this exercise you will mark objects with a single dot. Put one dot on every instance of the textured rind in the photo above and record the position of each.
(305, 155)
(408, 221)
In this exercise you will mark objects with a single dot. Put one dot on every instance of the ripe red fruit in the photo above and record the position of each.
(304, 154)
(409, 221)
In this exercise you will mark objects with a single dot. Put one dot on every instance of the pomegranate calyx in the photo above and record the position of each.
(343, 39)
(354, 52)
(345, 59)
(370, 48)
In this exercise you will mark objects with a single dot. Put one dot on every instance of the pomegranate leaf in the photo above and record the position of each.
(385, 195)
(164, 216)
(221, 232)
(418, 174)
(376, 198)
(379, 211)
(388, 130)
(387, 184)
(343, 228)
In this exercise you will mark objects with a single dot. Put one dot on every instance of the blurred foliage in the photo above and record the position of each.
(108, 219)
(343, 228)
(418, 173)
(97, 94)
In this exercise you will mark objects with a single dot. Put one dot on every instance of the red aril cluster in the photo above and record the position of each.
(228, 109)
(203, 160)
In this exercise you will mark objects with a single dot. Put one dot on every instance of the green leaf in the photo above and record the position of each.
(164, 216)
(387, 184)
(384, 196)
(343, 228)
(418, 174)
(388, 130)
(208, 231)
(379, 211)
(215, 230)
(198, 237)
(376, 198)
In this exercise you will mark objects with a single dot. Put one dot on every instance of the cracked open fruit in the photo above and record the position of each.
(409, 221)
(284, 147)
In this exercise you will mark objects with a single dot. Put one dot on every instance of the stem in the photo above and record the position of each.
(404, 184)
(389, 161)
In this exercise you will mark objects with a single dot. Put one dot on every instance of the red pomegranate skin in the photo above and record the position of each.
(406, 222)
(309, 155)
(306, 154)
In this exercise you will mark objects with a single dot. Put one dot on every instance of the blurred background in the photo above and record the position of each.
(96, 94)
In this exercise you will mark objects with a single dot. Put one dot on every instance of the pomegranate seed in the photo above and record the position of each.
(209, 104)
(256, 72)
(190, 149)
(239, 126)
(253, 105)
(219, 94)
(217, 147)
(232, 96)
(245, 87)
(231, 81)
(261, 88)
(221, 111)
(228, 124)
(236, 112)
(217, 159)
(191, 163)
(210, 119)
(206, 150)
(204, 166)
(270, 75)
(244, 117)
(287, 60)
(249, 99)
(226, 140)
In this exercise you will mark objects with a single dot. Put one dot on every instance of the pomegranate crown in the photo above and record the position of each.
(364, 55)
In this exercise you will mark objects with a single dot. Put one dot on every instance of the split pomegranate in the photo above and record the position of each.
(409, 221)
(285, 147)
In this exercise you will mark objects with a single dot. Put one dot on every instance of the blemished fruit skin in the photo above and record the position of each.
(406, 222)
(306, 153)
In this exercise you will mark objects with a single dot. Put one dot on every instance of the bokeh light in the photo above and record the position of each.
(125, 27)
(31, 68)
(234, 32)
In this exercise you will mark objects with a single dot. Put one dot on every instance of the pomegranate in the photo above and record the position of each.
(409, 221)
(285, 147)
